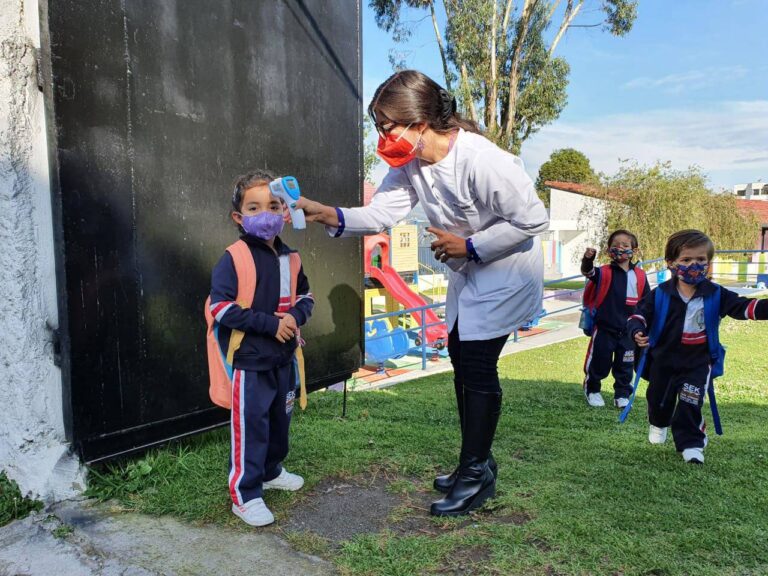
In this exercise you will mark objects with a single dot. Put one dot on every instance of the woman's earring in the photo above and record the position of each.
(420, 144)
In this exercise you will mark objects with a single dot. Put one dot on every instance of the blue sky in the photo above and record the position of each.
(689, 84)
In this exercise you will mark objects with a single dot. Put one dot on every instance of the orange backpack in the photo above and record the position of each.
(220, 369)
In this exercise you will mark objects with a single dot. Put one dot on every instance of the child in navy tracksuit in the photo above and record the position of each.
(265, 373)
(610, 347)
(680, 363)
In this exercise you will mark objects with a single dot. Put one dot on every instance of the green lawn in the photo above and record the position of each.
(598, 498)
(566, 285)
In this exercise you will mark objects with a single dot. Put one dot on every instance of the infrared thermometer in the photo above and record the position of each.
(287, 188)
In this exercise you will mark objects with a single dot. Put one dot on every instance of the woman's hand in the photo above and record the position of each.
(641, 339)
(447, 245)
(316, 212)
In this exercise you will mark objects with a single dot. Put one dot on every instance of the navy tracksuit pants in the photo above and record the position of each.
(675, 397)
(608, 352)
(262, 404)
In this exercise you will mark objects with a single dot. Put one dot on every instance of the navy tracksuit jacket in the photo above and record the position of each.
(265, 374)
(611, 350)
(680, 366)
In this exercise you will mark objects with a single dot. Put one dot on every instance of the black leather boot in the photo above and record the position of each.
(443, 483)
(475, 482)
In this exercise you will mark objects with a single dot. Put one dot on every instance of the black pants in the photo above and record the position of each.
(609, 352)
(675, 397)
(475, 362)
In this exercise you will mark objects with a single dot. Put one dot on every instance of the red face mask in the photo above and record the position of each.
(396, 151)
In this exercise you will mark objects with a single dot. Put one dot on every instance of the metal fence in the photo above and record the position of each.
(655, 269)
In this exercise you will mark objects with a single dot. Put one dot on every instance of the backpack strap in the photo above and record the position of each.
(716, 351)
(245, 269)
(660, 310)
(712, 322)
(603, 284)
(642, 280)
(295, 265)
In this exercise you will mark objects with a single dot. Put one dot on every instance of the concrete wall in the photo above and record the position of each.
(33, 449)
(575, 221)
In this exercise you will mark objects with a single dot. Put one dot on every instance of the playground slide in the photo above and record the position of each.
(396, 286)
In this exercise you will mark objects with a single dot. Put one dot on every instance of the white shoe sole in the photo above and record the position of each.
(596, 403)
(286, 487)
(257, 522)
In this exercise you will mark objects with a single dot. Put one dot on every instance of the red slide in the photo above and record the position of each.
(396, 286)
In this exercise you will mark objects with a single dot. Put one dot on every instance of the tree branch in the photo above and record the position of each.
(505, 22)
(492, 91)
(441, 47)
(525, 19)
(468, 93)
(552, 9)
(570, 14)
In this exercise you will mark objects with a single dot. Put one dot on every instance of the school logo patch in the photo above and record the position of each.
(290, 398)
(691, 394)
(629, 356)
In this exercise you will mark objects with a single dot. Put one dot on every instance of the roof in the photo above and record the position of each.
(584, 189)
(757, 207)
(368, 191)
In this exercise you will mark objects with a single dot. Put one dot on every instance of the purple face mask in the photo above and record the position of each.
(264, 225)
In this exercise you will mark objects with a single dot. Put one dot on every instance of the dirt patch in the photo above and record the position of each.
(338, 509)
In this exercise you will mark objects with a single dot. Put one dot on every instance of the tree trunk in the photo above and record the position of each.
(468, 92)
(514, 67)
(570, 14)
(441, 47)
(491, 91)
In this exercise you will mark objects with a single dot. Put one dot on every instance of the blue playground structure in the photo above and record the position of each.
(383, 343)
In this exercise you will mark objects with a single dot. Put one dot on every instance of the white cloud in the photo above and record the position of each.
(728, 140)
(680, 82)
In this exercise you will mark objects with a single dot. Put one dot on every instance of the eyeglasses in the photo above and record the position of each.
(387, 127)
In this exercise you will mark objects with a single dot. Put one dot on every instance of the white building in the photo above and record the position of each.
(576, 219)
(751, 191)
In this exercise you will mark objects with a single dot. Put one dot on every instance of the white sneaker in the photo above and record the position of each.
(595, 399)
(285, 481)
(657, 435)
(254, 512)
(620, 402)
(694, 455)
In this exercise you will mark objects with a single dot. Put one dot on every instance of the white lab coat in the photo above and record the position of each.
(480, 191)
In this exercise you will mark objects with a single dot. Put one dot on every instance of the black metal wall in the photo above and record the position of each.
(155, 107)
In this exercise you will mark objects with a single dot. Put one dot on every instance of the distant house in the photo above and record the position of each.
(760, 210)
(752, 191)
(576, 218)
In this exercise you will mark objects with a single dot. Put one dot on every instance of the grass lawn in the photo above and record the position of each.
(566, 285)
(594, 497)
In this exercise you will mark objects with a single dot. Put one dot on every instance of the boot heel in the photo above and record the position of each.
(482, 496)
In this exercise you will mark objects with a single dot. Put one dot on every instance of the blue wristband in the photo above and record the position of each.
(471, 252)
(340, 229)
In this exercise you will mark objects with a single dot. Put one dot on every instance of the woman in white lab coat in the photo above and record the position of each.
(486, 217)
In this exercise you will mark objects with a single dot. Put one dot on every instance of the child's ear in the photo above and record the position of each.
(238, 218)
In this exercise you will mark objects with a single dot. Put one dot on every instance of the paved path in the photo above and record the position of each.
(81, 539)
